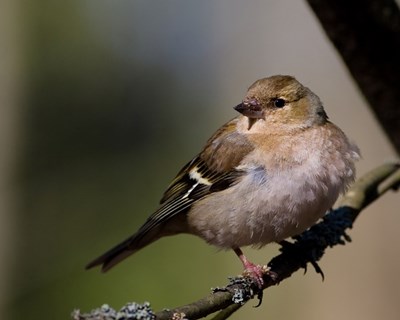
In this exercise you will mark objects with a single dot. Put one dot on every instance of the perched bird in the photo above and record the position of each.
(268, 174)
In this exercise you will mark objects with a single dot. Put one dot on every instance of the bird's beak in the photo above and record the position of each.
(251, 109)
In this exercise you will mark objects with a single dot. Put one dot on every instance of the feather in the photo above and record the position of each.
(197, 179)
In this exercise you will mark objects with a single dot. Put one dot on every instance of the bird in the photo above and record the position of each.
(268, 174)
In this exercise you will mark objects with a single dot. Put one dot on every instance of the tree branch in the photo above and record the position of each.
(366, 33)
(308, 247)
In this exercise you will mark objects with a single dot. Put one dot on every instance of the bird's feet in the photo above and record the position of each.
(255, 272)
(251, 270)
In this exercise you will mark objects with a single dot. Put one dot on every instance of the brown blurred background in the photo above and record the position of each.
(103, 101)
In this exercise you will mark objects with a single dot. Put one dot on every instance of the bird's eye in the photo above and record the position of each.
(279, 103)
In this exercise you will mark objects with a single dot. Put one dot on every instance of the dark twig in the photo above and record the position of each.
(366, 33)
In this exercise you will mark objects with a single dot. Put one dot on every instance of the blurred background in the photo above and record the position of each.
(102, 102)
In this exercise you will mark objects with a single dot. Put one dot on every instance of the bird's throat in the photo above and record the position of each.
(251, 122)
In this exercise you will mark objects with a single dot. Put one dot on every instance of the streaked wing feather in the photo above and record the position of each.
(165, 212)
(187, 189)
(179, 184)
(211, 171)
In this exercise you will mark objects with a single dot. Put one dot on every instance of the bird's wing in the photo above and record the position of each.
(214, 169)
(197, 182)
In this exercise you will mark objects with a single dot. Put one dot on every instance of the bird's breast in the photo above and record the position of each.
(270, 204)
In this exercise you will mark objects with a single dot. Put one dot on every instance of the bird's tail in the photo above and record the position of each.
(122, 251)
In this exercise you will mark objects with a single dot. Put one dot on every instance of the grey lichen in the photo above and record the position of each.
(245, 293)
(131, 311)
(242, 288)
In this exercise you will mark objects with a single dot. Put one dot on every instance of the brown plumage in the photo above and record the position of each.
(268, 174)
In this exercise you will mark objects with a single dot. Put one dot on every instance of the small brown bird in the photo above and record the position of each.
(268, 174)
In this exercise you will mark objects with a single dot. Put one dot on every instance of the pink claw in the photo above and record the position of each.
(254, 271)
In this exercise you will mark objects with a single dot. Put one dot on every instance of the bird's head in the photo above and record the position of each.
(283, 101)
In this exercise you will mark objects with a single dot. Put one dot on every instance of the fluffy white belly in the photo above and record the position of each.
(271, 207)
